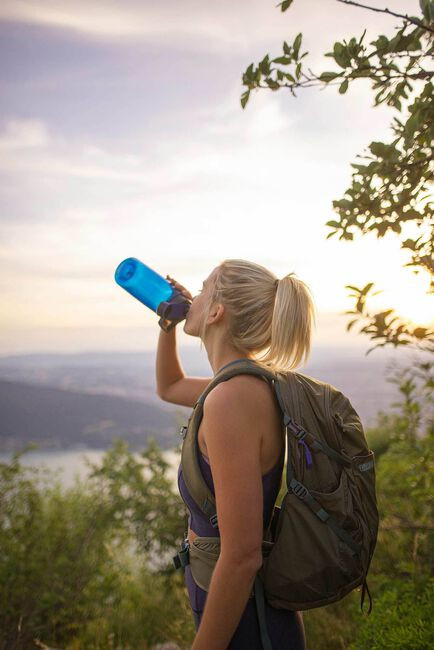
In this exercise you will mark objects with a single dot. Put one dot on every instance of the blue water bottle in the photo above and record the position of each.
(153, 291)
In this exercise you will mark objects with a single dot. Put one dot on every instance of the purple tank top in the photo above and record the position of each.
(200, 523)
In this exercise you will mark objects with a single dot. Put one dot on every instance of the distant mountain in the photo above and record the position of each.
(66, 419)
(68, 400)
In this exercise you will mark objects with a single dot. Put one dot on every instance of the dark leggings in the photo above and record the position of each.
(285, 628)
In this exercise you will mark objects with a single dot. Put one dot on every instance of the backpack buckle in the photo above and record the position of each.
(213, 521)
(299, 489)
(182, 558)
(295, 428)
(183, 432)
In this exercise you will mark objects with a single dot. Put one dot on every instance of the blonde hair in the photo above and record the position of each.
(270, 320)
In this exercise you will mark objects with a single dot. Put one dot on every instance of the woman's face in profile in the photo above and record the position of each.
(192, 322)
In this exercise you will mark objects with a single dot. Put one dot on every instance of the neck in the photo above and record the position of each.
(218, 361)
(219, 351)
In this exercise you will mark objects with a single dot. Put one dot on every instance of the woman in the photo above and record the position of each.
(242, 311)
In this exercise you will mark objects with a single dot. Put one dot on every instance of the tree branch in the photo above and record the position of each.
(391, 13)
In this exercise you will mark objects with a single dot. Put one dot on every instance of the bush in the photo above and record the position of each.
(402, 618)
(71, 571)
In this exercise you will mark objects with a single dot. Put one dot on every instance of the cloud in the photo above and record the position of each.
(168, 157)
(24, 134)
(198, 25)
(32, 147)
(205, 23)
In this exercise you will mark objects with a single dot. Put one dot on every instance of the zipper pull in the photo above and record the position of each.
(307, 453)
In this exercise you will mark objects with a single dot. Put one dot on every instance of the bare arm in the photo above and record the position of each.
(172, 384)
(233, 439)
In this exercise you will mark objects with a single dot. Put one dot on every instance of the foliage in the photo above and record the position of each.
(402, 618)
(142, 499)
(333, 627)
(383, 326)
(144, 610)
(72, 570)
(392, 188)
(78, 567)
(415, 383)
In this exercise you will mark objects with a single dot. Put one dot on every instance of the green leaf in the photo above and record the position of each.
(395, 44)
(329, 76)
(415, 45)
(274, 85)
(367, 288)
(286, 48)
(284, 60)
(352, 46)
(351, 323)
(366, 72)
(338, 48)
(264, 65)
(245, 98)
(379, 149)
(340, 55)
(335, 224)
(382, 43)
(296, 44)
(425, 8)
(249, 70)
(409, 243)
(285, 5)
(298, 70)
(343, 87)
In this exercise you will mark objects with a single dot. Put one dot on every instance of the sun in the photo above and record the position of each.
(416, 309)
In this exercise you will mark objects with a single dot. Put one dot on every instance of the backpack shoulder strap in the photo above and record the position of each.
(196, 485)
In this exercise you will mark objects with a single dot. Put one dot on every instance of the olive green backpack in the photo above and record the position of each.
(319, 543)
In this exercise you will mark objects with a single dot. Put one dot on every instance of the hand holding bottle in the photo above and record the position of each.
(180, 288)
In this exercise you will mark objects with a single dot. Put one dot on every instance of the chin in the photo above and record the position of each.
(185, 327)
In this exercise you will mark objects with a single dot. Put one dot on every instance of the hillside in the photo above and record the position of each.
(63, 419)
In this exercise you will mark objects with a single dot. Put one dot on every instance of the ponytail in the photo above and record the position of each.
(291, 325)
(268, 319)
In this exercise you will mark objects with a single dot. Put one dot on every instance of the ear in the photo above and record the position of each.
(216, 313)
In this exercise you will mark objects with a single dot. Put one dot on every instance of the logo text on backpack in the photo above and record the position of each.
(365, 466)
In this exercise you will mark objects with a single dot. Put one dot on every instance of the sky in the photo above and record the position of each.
(122, 135)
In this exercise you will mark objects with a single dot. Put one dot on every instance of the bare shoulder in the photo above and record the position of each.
(243, 398)
(239, 387)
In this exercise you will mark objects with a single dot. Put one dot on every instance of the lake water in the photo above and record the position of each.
(69, 463)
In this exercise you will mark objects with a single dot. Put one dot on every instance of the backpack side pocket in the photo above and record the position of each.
(364, 476)
(309, 565)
